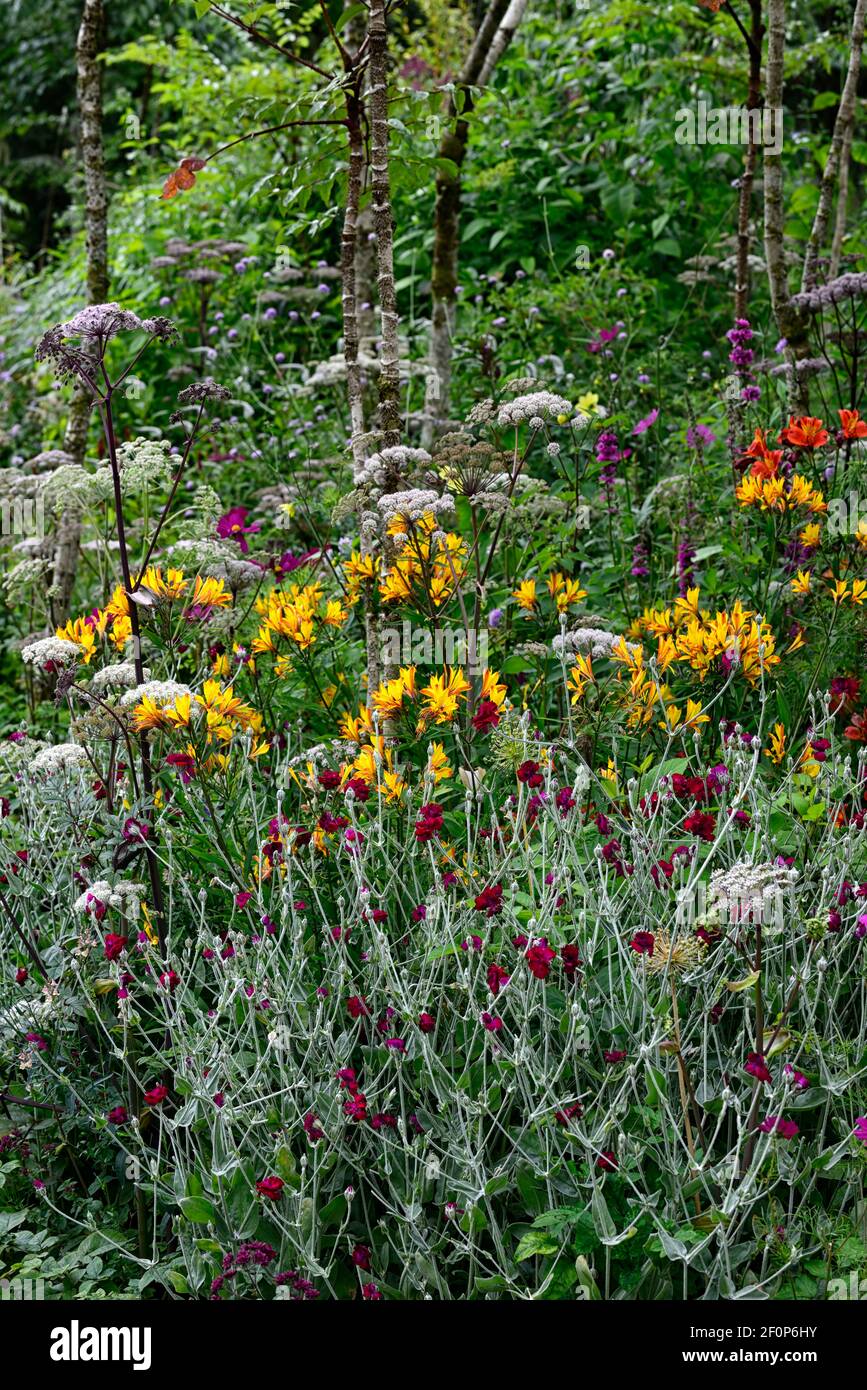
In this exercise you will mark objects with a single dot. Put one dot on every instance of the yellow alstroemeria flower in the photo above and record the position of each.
(777, 750)
(525, 594)
(438, 763)
(80, 632)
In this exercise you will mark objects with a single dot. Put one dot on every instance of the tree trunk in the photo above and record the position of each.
(842, 204)
(491, 41)
(842, 129)
(742, 280)
(791, 322)
(389, 372)
(91, 39)
(347, 264)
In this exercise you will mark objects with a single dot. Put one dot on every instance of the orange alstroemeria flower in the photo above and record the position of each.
(851, 424)
(805, 433)
(765, 462)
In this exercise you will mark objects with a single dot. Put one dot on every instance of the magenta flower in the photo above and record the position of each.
(492, 1023)
(860, 1130)
(643, 942)
(539, 958)
(271, 1188)
(757, 1066)
(312, 1128)
(113, 945)
(233, 526)
(774, 1124)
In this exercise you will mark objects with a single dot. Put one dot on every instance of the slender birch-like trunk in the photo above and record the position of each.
(491, 41)
(842, 203)
(742, 275)
(791, 321)
(389, 372)
(842, 130)
(91, 38)
(348, 255)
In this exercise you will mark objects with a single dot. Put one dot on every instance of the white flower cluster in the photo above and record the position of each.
(71, 487)
(399, 457)
(24, 575)
(541, 405)
(592, 641)
(162, 693)
(415, 503)
(144, 463)
(750, 892)
(56, 649)
(120, 895)
(121, 676)
(47, 460)
(105, 321)
(59, 757)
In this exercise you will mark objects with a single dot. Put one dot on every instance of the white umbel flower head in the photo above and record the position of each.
(60, 757)
(118, 895)
(121, 676)
(56, 649)
(163, 693)
(539, 405)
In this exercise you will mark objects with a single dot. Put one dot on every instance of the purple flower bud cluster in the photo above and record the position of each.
(741, 356)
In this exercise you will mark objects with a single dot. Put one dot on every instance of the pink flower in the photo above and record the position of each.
(232, 526)
(312, 1128)
(860, 1130)
(156, 1095)
(396, 1044)
(757, 1066)
(796, 1078)
(539, 959)
(774, 1124)
(426, 1022)
(492, 1023)
(241, 899)
(490, 900)
(497, 978)
(271, 1188)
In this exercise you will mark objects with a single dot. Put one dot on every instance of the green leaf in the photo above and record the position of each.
(536, 1243)
(198, 1209)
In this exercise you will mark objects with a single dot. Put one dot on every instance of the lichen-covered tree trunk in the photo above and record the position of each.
(791, 321)
(842, 129)
(348, 251)
(745, 196)
(389, 370)
(91, 39)
(494, 34)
